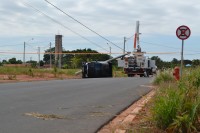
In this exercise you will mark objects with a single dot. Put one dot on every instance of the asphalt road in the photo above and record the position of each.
(86, 104)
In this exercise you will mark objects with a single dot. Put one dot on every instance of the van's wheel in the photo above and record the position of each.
(141, 75)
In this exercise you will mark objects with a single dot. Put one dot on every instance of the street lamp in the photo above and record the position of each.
(24, 62)
(110, 49)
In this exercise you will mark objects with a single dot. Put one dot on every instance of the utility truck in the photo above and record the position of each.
(137, 63)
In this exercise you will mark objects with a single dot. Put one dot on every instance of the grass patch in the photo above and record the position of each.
(175, 108)
(37, 72)
(163, 77)
(177, 104)
(166, 105)
(118, 73)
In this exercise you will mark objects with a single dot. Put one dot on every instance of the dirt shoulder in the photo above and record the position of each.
(27, 78)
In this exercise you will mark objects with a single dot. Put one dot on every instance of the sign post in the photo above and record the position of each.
(182, 32)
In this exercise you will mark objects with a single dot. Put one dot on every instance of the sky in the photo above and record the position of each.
(24, 21)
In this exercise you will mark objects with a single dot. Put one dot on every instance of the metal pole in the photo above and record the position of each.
(124, 45)
(181, 73)
(24, 53)
(38, 57)
(110, 52)
(50, 56)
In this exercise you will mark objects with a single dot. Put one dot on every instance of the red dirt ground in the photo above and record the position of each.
(27, 78)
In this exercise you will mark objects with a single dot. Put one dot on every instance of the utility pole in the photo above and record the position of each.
(24, 53)
(110, 51)
(24, 58)
(50, 57)
(38, 57)
(124, 45)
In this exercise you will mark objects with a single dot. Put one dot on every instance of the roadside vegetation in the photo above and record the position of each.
(118, 72)
(12, 73)
(31, 71)
(175, 107)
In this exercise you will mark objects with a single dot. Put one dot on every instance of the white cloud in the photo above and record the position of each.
(114, 17)
(110, 18)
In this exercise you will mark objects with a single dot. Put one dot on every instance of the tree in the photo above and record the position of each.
(19, 62)
(75, 60)
(46, 57)
(12, 61)
(175, 61)
(159, 62)
(41, 63)
(195, 62)
(187, 62)
(5, 62)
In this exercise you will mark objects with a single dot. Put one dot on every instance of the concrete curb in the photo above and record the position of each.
(126, 117)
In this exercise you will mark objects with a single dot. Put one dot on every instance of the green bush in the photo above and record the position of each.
(163, 77)
(167, 103)
(177, 108)
(30, 72)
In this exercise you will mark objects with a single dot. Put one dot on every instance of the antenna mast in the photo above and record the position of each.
(136, 39)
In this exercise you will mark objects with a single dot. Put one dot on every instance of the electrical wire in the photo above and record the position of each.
(127, 39)
(160, 53)
(10, 45)
(166, 46)
(22, 44)
(159, 45)
(83, 24)
(37, 10)
(2, 52)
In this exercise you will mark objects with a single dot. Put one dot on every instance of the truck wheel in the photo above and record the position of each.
(141, 75)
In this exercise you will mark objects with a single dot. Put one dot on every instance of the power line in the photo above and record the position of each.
(20, 44)
(10, 45)
(166, 46)
(83, 24)
(159, 45)
(128, 38)
(37, 10)
(74, 53)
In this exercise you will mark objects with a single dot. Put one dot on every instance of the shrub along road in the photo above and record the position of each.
(66, 106)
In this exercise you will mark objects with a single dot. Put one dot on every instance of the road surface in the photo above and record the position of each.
(84, 104)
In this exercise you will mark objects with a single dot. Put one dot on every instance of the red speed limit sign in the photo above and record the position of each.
(183, 32)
